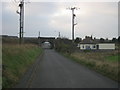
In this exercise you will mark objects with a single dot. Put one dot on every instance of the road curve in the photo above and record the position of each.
(56, 71)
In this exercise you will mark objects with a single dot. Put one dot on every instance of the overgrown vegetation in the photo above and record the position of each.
(104, 62)
(16, 60)
(64, 45)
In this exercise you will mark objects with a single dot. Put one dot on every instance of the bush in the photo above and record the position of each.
(64, 46)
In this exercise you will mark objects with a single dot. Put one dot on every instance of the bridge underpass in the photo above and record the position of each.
(47, 42)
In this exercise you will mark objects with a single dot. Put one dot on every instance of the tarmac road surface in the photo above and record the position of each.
(53, 70)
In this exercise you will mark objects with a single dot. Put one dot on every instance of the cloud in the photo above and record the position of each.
(99, 19)
(9, 20)
(40, 9)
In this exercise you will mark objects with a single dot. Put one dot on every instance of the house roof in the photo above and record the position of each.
(89, 40)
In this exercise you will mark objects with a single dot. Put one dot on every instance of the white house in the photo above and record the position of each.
(96, 46)
(93, 44)
(106, 46)
(84, 46)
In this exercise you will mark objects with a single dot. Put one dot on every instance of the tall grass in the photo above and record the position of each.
(16, 59)
(105, 63)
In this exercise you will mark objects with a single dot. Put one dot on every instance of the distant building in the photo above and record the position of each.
(93, 44)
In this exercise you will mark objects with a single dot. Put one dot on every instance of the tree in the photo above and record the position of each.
(102, 40)
(114, 40)
(77, 40)
(65, 46)
(119, 39)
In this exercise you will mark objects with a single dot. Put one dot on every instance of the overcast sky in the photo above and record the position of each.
(99, 19)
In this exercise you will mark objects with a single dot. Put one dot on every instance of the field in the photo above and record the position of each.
(16, 59)
(104, 62)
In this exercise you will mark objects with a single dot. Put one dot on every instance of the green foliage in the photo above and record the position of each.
(16, 60)
(119, 39)
(65, 46)
(86, 51)
(113, 58)
(78, 40)
(114, 40)
(102, 40)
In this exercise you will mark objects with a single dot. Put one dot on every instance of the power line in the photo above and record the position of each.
(17, 1)
(14, 5)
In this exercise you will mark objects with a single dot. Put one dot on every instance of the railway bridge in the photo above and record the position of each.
(51, 40)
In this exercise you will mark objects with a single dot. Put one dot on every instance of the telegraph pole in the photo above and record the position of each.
(39, 33)
(39, 38)
(73, 24)
(21, 13)
(59, 35)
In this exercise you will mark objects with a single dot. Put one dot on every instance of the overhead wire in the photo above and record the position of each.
(17, 1)
(14, 4)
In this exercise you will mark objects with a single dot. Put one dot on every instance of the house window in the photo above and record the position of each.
(93, 46)
(83, 46)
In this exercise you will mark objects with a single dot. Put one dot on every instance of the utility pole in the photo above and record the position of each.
(73, 24)
(39, 33)
(39, 38)
(21, 13)
(59, 35)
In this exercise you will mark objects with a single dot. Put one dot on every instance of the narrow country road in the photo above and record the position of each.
(56, 71)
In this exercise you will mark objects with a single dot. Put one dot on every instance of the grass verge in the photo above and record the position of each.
(16, 59)
(105, 63)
